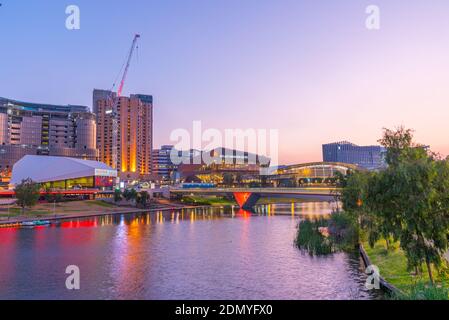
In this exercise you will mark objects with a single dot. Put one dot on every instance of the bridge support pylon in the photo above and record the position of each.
(246, 200)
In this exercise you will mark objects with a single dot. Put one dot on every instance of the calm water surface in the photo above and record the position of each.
(218, 253)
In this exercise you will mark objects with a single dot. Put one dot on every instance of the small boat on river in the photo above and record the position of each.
(36, 223)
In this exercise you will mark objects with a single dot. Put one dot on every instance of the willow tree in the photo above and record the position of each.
(382, 218)
(423, 210)
(411, 196)
(353, 194)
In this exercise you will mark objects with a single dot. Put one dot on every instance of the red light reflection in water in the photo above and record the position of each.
(8, 244)
(78, 232)
(8, 236)
(79, 224)
(242, 197)
(245, 214)
(15, 228)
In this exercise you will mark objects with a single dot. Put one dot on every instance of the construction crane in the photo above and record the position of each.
(114, 100)
(128, 62)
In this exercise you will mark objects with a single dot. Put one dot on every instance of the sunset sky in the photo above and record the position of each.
(310, 69)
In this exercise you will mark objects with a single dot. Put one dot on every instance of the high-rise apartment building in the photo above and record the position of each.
(368, 157)
(134, 136)
(28, 128)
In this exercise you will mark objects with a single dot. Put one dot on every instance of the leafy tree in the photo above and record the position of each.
(341, 179)
(409, 200)
(359, 197)
(379, 208)
(400, 146)
(143, 198)
(354, 192)
(356, 203)
(117, 195)
(27, 193)
(424, 212)
(130, 194)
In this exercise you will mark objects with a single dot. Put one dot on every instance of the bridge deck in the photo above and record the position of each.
(265, 191)
(248, 197)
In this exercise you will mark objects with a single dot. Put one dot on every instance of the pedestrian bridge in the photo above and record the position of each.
(246, 198)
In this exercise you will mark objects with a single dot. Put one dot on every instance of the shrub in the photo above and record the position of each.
(342, 234)
(310, 239)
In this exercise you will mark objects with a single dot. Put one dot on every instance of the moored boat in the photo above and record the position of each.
(35, 223)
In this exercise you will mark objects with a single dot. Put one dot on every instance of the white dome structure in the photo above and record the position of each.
(48, 169)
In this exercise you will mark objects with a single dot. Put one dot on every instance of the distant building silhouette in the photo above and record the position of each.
(368, 157)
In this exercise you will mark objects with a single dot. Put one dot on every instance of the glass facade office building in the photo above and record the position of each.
(162, 164)
(368, 157)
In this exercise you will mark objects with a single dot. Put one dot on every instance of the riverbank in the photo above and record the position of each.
(79, 209)
(384, 284)
(392, 265)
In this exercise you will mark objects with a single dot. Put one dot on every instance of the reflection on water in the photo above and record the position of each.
(219, 253)
(302, 209)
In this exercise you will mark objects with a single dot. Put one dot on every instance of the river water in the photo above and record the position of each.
(219, 253)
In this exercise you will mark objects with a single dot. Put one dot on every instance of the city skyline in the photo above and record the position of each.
(311, 70)
(214, 158)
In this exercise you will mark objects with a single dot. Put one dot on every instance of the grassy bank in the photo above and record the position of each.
(392, 264)
(323, 237)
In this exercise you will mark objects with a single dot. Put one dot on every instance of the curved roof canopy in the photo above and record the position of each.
(48, 168)
(316, 169)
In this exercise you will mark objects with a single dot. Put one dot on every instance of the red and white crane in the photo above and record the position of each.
(128, 62)
(114, 103)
